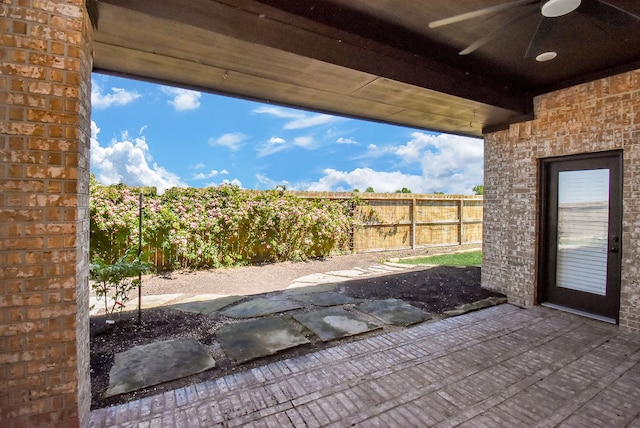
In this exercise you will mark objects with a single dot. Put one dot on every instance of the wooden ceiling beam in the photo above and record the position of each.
(265, 23)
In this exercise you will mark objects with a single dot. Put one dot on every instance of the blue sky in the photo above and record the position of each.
(147, 134)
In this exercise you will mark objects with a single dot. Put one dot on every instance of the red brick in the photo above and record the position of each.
(56, 131)
(53, 214)
(55, 242)
(19, 57)
(57, 75)
(54, 297)
(13, 286)
(22, 243)
(17, 84)
(56, 104)
(37, 101)
(16, 371)
(14, 258)
(16, 143)
(29, 71)
(16, 113)
(72, 106)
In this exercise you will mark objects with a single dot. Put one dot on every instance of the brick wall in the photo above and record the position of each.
(597, 116)
(45, 68)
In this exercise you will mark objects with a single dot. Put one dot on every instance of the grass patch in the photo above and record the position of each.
(470, 258)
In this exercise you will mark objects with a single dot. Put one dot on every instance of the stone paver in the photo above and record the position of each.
(305, 288)
(251, 339)
(335, 323)
(394, 311)
(205, 303)
(157, 362)
(328, 298)
(261, 306)
(501, 366)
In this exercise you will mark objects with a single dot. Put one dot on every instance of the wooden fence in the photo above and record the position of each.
(393, 221)
(408, 221)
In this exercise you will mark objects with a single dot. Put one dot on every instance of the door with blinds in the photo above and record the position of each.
(581, 226)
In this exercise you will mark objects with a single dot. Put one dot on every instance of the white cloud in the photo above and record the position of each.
(278, 112)
(448, 164)
(276, 140)
(117, 97)
(183, 99)
(234, 182)
(343, 140)
(309, 121)
(271, 184)
(128, 162)
(305, 142)
(274, 145)
(361, 178)
(196, 166)
(299, 119)
(233, 141)
(207, 175)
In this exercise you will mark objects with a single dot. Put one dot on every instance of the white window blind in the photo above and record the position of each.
(583, 228)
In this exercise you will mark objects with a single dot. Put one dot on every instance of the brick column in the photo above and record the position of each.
(45, 78)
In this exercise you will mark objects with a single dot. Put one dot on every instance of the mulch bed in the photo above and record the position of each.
(434, 290)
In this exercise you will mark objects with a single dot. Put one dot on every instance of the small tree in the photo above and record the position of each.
(479, 189)
(116, 280)
(370, 190)
(403, 190)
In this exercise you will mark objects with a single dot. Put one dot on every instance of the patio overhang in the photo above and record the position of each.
(351, 58)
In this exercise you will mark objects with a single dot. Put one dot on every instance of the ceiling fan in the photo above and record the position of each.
(600, 12)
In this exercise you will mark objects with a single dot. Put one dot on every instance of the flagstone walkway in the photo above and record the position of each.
(265, 326)
(501, 366)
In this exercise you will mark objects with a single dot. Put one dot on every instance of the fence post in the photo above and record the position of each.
(461, 220)
(139, 254)
(413, 223)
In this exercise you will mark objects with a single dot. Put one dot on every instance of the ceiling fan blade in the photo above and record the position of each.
(606, 13)
(479, 12)
(611, 20)
(495, 33)
(537, 41)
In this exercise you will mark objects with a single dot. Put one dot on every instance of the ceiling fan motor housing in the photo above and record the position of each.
(556, 8)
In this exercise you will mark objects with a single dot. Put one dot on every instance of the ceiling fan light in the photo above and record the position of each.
(555, 8)
(546, 56)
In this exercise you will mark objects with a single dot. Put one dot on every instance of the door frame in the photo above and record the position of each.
(547, 233)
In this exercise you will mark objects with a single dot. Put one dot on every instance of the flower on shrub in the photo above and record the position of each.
(218, 226)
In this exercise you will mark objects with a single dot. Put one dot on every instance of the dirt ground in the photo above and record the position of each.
(434, 290)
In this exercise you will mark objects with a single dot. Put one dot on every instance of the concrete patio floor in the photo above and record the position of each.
(501, 366)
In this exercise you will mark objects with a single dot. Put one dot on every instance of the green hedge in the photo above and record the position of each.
(217, 226)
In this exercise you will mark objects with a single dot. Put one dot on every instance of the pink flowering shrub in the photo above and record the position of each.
(217, 226)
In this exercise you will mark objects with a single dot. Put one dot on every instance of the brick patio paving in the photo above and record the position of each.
(502, 366)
